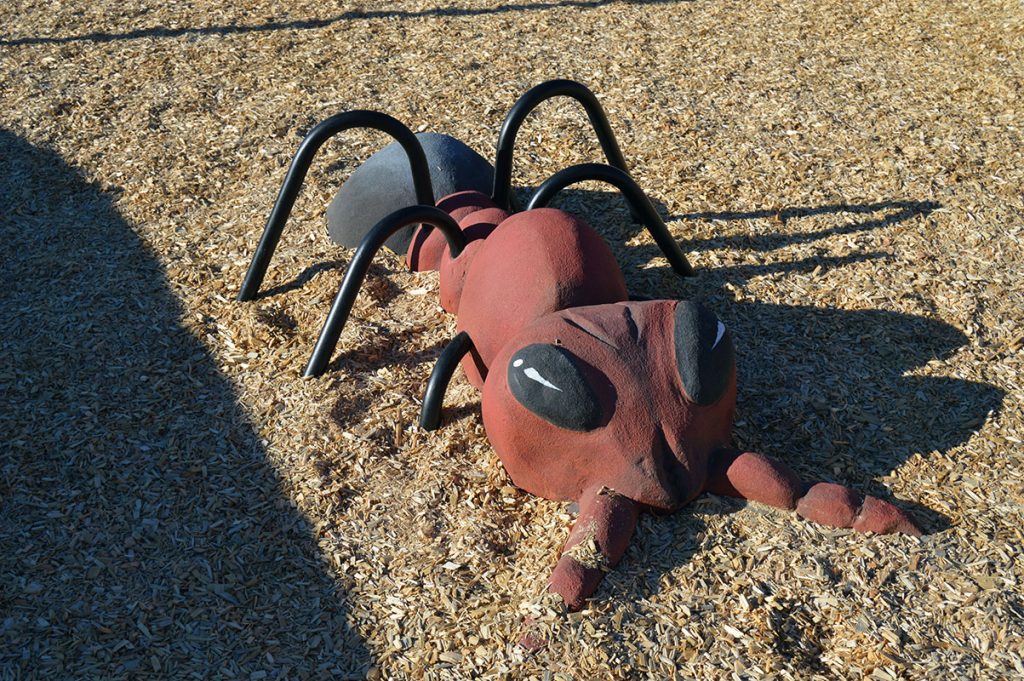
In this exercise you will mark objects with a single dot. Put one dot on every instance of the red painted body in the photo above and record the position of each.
(656, 445)
(543, 278)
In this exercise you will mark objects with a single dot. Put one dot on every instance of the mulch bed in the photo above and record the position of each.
(176, 502)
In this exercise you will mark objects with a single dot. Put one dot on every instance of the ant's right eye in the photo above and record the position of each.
(704, 353)
(548, 381)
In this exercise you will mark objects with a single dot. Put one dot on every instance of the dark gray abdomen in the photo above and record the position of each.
(383, 184)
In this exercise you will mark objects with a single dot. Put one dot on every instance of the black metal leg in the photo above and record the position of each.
(522, 108)
(297, 173)
(375, 238)
(433, 398)
(634, 195)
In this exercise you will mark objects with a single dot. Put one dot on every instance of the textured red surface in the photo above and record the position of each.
(609, 519)
(756, 477)
(830, 504)
(477, 226)
(574, 582)
(536, 262)
(884, 518)
(606, 519)
(656, 444)
(428, 245)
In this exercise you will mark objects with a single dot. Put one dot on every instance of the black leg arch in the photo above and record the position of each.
(440, 377)
(356, 272)
(635, 196)
(522, 108)
(297, 173)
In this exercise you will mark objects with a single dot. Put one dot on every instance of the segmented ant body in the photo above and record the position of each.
(620, 405)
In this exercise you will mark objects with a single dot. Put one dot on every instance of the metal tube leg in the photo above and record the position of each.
(297, 173)
(440, 377)
(522, 108)
(633, 194)
(356, 272)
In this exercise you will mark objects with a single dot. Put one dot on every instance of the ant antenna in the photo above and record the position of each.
(501, 194)
(635, 196)
(297, 173)
(356, 272)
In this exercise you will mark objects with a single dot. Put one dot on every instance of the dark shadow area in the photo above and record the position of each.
(380, 350)
(689, 535)
(307, 275)
(307, 24)
(142, 529)
(609, 209)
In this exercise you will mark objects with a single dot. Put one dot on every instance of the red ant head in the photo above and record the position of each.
(631, 396)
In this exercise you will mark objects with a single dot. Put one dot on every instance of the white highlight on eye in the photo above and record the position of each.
(518, 363)
(721, 332)
(533, 374)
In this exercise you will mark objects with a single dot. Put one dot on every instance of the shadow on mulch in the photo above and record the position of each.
(139, 517)
(377, 281)
(307, 24)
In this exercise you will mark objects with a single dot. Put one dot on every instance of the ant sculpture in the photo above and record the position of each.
(621, 405)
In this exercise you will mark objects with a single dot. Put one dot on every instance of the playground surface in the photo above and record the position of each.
(177, 502)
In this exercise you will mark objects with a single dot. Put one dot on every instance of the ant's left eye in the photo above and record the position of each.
(548, 381)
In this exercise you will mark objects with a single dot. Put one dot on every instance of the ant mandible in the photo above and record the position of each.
(620, 405)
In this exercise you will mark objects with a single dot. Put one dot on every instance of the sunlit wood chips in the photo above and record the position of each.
(179, 503)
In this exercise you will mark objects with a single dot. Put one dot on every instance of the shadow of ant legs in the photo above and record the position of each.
(382, 349)
(901, 211)
(608, 212)
(378, 350)
(302, 279)
(452, 415)
(378, 283)
(783, 214)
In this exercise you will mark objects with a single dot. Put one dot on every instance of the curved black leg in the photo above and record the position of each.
(297, 173)
(634, 195)
(522, 108)
(375, 238)
(433, 398)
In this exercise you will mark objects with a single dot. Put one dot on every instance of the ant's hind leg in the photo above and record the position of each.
(297, 173)
(756, 477)
(597, 543)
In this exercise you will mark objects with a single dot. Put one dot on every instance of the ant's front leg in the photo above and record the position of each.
(596, 544)
(756, 477)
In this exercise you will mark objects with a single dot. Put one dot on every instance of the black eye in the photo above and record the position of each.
(549, 381)
(704, 353)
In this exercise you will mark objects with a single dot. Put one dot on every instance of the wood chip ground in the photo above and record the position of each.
(176, 502)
